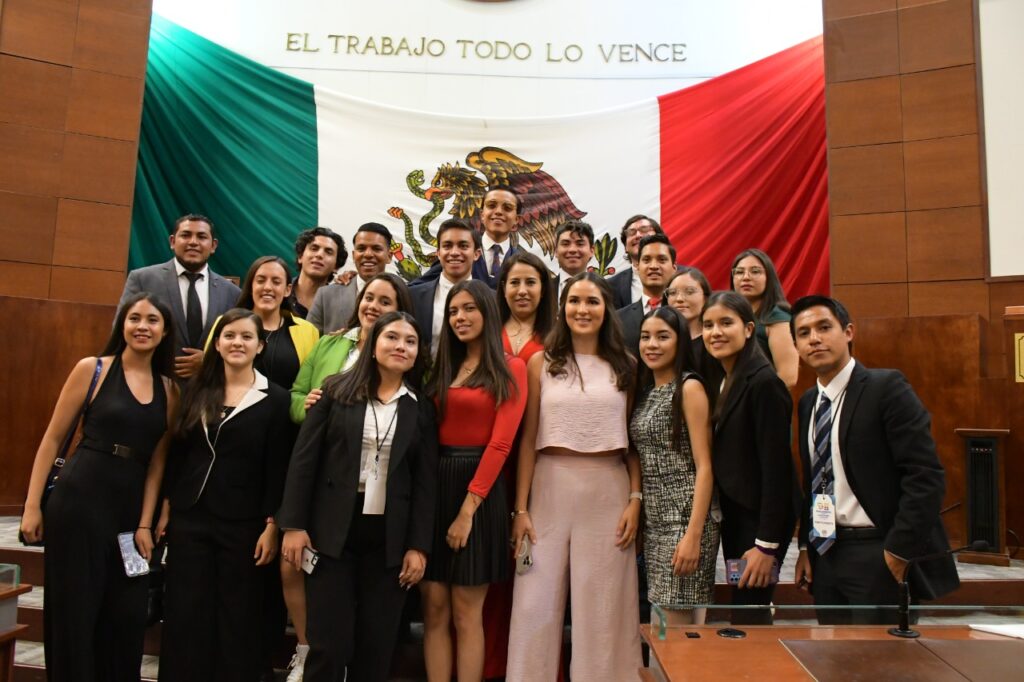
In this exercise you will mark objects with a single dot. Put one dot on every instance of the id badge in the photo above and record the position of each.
(823, 517)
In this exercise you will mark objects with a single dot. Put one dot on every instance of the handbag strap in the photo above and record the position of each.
(62, 453)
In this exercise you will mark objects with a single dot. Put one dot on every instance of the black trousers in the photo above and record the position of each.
(94, 616)
(853, 571)
(354, 607)
(739, 530)
(213, 599)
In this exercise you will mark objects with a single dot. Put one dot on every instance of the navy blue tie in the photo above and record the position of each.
(823, 483)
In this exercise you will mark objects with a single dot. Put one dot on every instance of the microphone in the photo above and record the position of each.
(903, 629)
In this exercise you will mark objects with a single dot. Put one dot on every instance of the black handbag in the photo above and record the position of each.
(62, 453)
(155, 595)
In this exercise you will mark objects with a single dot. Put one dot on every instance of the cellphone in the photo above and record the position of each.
(734, 571)
(525, 557)
(309, 559)
(134, 563)
(692, 635)
(731, 633)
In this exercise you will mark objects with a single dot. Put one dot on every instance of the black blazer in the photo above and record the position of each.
(632, 318)
(481, 271)
(889, 459)
(751, 454)
(422, 296)
(323, 477)
(622, 287)
(242, 474)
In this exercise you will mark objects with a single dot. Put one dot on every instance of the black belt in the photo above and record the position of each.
(859, 533)
(461, 450)
(116, 449)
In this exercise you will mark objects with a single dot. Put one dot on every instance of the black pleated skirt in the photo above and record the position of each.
(485, 558)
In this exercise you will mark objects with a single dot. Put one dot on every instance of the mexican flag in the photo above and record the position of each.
(734, 162)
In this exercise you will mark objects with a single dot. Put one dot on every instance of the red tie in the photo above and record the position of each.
(653, 302)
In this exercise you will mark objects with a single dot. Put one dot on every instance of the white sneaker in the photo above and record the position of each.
(296, 666)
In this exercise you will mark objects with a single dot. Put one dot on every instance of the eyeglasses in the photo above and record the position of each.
(642, 231)
(753, 272)
(688, 291)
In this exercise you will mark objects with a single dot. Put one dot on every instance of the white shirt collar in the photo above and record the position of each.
(352, 335)
(179, 268)
(403, 390)
(839, 382)
(488, 243)
(360, 283)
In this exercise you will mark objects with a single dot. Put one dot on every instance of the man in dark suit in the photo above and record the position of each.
(458, 246)
(333, 305)
(626, 285)
(574, 247)
(656, 262)
(499, 214)
(873, 482)
(195, 294)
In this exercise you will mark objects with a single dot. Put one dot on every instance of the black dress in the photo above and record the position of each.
(94, 615)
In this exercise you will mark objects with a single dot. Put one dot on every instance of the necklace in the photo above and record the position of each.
(467, 370)
(379, 441)
(516, 340)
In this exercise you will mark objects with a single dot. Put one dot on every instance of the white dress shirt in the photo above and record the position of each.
(563, 277)
(202, 287)
(379, 426)
(849, 513)
(489, 244)
(636, 289)
(353, 355)
(444, 285)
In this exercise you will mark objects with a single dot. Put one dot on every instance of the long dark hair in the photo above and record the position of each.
(693, 272)
(773, 296)
(546, 307)
(750, 356)
(204, 394)
(611, 347)
(163, 354)
(492, 373)
(402, 299)
(245, 299)
(682, 364)
(362, 382)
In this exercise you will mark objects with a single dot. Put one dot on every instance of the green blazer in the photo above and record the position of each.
(327, 357)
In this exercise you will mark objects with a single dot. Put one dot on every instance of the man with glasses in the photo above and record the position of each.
(626, 285)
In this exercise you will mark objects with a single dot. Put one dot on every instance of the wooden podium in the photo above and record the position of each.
(783, 653)
(9, 629)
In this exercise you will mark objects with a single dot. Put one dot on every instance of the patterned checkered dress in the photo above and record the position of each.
(669, 478)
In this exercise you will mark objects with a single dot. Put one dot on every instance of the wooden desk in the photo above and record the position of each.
(762, 654)
(10, 634)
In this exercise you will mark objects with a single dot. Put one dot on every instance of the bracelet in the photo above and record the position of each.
(270, 520)
(636, 496)
(765, 550)
(519, 512)
(143, 528)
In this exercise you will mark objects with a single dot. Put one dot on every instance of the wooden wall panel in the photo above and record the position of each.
(98, 169)
(863, 46)
(39, 29)
(940, 103)
(23, 279)
(104, 105)
(944, 298)
(34, 93)
(864, 112)
(943, 173)
(883, 235)
(935, 35)
(873, 300)
(32, 375)
(26, 231)
(840, 9)
(945, 244)
(31, 159)
(92, 235)
(94, 49)
(866, 179)
(86, 286)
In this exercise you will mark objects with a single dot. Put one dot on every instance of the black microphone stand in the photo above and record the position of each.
(903, 628)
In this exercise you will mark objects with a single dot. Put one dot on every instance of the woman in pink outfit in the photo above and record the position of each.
(578, 499)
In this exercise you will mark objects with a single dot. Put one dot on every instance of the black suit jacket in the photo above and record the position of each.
(890, 463)
(242, 474)
(632, 318)
(423, 309)
(481, 271)
(751, 454)
(323, 477)
(622, 287)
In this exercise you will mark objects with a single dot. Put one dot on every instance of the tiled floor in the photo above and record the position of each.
(32, 652)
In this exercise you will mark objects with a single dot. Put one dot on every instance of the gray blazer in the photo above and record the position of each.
(332, 306)
(162, 281)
